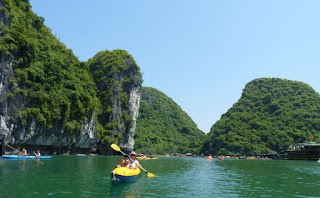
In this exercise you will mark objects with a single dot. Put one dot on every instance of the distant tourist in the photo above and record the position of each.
(142, 155)
(221, 157)
(209, 158)
(37, 154)
(23, 152)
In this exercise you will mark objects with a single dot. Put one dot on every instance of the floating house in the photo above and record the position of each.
(304, 151)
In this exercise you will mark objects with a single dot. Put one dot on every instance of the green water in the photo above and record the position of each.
(88, 176)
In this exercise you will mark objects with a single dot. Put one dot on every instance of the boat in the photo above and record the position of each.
(123, 175)
(146, 158)
(221, 158)
(304, 151)
(24, 157)
(209, 158)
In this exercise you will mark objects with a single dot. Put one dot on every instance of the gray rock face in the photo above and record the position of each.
(32, 133)
(134, 103)
(133, 111)
(5, 74)
(7, 105)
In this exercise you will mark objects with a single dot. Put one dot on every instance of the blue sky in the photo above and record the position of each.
(199, 53)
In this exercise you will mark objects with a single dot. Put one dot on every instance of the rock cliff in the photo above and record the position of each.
(117, 71)
(51, 101)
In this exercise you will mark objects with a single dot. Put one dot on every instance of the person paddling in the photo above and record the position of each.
(209, 158)
(133, 162)
(125, 162)
(117, 148)
(23, 152)
(37, 154)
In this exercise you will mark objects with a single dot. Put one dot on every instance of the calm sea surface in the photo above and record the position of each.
(89, 176)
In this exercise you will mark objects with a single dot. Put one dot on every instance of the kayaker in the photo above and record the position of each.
(125, 162)
(23, 152)
(134, 163)
(209, 157)
(142, 155)
(37, 154)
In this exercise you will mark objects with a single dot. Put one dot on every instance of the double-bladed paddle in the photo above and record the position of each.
(117, 148)
(19, 151)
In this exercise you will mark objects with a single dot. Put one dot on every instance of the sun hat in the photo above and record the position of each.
(133, 153)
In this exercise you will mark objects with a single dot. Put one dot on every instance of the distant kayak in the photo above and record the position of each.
(209, 158)
(24, 157)
(124, 174)
(146, 158)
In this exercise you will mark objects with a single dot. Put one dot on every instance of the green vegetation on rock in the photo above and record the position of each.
(163, 127)
(116, 74)
(271, 114)
(51, 81)
(49, 86)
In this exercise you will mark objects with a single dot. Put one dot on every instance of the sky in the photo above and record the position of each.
(199, 53)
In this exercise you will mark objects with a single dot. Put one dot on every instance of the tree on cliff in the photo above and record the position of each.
(163, 127)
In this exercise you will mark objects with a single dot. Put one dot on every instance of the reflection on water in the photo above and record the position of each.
(89, 176)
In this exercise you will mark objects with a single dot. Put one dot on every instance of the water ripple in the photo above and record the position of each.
(72, 176)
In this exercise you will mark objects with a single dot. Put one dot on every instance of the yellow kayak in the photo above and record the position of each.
(124, 174)
(146, 158)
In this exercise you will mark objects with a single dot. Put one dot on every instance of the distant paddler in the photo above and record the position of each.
(24, 152)
(141, 156)
(37, 154)
(209, 158)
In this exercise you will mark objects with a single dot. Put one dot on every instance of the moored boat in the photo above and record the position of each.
(24, 157)
(124, 174)
(304, 151)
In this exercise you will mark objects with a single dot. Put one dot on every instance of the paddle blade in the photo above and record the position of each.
(150, 175)
(115, 147)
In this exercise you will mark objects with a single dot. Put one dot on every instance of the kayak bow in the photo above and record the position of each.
(124, 174)
(146, 158)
